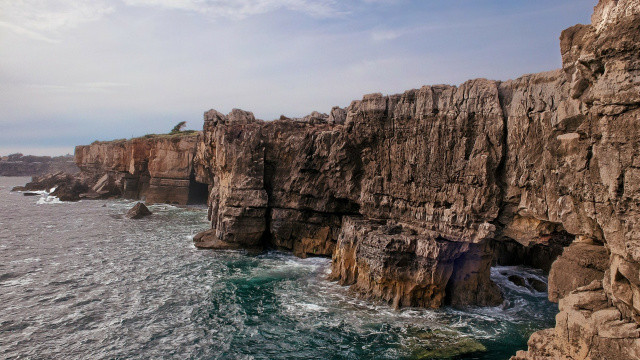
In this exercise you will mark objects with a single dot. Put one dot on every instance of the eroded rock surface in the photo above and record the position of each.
(299, 185)
(415, 195)
(590, 184)
(138, 211)
(158, 169)
(587, 327)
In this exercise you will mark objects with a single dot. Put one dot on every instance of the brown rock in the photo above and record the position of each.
(138, 211)
(412, 193)
(537, 285)
(157, 168)
(586, 328)
(517, 280)
(579, 265)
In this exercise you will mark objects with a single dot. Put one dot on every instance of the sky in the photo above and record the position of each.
(75, 71)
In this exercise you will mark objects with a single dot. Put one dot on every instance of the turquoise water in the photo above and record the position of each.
(78, 280)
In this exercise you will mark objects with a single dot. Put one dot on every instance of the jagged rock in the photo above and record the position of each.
(517, 280)
(537, 285)
(138, 211)
(409, 269)
(529, 241)
(337, 116)
(579, 265)
(588, 328)
(158, 168)
(412, 192)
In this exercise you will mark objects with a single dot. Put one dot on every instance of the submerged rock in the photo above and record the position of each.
(138, 211)
(517, 280)
(537, 285)
(441, 344)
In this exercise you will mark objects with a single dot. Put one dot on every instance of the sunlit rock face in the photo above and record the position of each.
(425, 161)
(593, 166)
(415, 195)
(158, 169)
(410, 193)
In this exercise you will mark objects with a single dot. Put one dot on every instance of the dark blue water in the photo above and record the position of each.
(78, 280)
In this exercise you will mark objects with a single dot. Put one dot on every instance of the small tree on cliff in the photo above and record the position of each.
(176, 129)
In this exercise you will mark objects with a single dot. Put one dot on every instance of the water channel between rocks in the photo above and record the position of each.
(79, 280)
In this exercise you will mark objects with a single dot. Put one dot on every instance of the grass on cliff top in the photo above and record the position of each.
(151, 136)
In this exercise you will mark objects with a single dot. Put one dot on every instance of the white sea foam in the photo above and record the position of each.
(49, 200)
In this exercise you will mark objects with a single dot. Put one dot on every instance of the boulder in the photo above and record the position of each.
(579, 265)
(138, 211)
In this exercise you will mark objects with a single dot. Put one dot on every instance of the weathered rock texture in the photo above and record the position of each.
(415, 195)
(157, 169)
(29, 165)
(586, 177)
(138, 211)
(587, 327)
(397, 162)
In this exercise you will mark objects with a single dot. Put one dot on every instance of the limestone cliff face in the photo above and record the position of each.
(29, 165)
(595, 192)
(158, 169)
(397, 163)
(415, 195)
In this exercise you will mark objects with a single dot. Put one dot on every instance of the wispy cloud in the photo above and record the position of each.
(43, 19)
(26, 32)
(239, 9)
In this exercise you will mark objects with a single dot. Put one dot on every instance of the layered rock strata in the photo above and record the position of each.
(412, 192)
(397, 162)
(158, 169)
(29, 165)
(415, 195)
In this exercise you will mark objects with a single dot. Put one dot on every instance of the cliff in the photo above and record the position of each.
(29, 165)
(158, 169)
(416, 195)
(155, 168)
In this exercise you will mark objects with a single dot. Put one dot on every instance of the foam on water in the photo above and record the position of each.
(83, 281)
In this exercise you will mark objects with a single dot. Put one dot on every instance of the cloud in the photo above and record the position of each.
(26, 32)
(43, 19)
(239, 9)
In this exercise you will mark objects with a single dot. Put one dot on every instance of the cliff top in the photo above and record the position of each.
(185, 133)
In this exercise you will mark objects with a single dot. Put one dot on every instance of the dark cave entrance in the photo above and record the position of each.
(198, 192)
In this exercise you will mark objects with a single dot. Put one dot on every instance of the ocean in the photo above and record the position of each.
(82, 281)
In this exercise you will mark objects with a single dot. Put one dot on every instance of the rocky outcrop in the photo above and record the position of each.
(29, 165)
(579, 265)
(588, 183)
(396, 161)
(157, 169)
(415, 195)
(587, 327)
(67, 187)
(153, 168)
(387, 261)
(138, 211)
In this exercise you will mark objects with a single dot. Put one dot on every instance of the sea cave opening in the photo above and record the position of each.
(198, 192)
